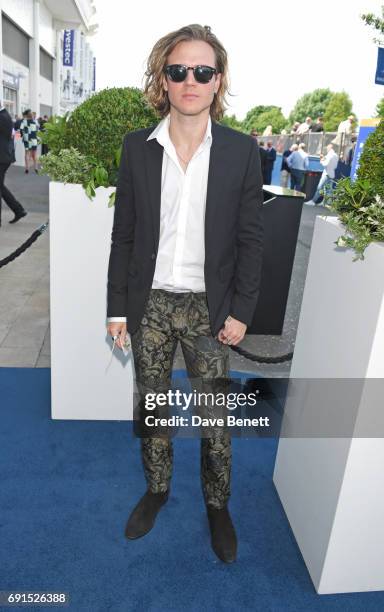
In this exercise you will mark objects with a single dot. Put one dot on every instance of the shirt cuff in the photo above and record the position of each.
(116, 319)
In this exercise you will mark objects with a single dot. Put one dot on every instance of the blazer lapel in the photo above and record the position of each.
(218, 160)
(154, 160)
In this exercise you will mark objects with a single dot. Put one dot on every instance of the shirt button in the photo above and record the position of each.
(153, 256)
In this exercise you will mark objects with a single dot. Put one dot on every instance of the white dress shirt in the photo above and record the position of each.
(181, 254)
(330, 162)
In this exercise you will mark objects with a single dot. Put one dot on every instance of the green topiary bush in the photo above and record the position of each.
(360, 203)
(371, 164)
(95, 130)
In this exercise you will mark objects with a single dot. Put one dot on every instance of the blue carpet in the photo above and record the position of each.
(68, 486)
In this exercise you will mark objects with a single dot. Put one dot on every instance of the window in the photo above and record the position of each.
(10, 100)
(46, 65)
(15, 42)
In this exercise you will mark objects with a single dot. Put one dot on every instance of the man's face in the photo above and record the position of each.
(190, 97)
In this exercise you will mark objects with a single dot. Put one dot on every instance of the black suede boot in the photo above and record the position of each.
(223, 535)
(143, 516)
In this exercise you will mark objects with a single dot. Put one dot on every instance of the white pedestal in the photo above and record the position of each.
(80, 239)
(332, 489)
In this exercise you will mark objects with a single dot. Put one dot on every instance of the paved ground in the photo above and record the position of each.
(24, 287)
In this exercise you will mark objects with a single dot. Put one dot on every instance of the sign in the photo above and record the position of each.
(379, 78)
(69, 36)
(94, 75)
(367, 126)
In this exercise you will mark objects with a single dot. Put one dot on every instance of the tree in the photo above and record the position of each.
(338, 109)
(380, 108)
(312, 104)
(376, 22)
(273, 117)
(232, 122)
(252, 115)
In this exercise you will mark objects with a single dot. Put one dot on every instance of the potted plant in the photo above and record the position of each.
(328, 466)
(82, 162)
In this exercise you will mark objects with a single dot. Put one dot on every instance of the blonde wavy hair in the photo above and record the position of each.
(157, 60)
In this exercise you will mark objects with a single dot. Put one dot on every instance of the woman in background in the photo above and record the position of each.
(28, 130)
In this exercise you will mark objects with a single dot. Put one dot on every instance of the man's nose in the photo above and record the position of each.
(190, 79)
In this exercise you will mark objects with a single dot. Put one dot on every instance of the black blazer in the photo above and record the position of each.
(233, 227)
(7, 149)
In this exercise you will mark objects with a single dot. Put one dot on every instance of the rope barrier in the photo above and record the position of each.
(40, 230)
(260, 358)
(33, 237)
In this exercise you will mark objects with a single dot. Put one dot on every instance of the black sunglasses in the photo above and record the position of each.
(178, 73)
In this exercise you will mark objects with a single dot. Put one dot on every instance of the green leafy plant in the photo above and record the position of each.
(95, 130)
(54, 133)
(361, 210)
(371, 164)
(71, 166)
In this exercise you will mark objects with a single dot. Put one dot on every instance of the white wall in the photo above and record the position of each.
(21, 12)
(46, 93)
(15, 68)
(47, 34)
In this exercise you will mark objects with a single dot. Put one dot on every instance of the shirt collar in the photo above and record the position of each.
(161, 132)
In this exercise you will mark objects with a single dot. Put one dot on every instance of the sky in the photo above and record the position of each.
(278, 50)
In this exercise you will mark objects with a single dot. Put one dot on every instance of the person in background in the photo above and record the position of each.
(329, 162)
(7, 157)
(263, 161)
(44, 147)
(350, 152)
(304, 127)
(17, 123)
(35, 119)
(295, 127)
(298, 163)
(268, 131)
(318, 126)
(270, 162)
(28, 130)
(285, 171)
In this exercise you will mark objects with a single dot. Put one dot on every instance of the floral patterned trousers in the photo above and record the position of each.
(168, 318)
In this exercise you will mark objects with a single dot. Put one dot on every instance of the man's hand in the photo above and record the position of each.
(119, 330)
(233, 332)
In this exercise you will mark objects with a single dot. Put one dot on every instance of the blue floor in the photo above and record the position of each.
(66, 491)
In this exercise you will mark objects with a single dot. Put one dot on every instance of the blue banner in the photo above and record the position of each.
(69, 36)
(366, 127)
(94, 75)
(379, 78)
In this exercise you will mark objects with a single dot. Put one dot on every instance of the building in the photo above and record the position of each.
(32, 61)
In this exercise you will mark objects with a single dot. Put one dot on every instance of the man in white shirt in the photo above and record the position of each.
(329, 162)
(185, 262)
(304, 127)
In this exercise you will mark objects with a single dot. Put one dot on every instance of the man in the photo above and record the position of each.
(318, 126)
(186, 254)
(329, 162)
(304, 127)
(298, 163)
(346, 127)
(285, 169)
(270, 161)
(7, 157)
(263, 161)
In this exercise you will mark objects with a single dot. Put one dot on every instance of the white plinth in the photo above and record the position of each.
(80, 239)
(332, 489)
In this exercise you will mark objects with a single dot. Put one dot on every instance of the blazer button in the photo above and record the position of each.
(153, 256)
